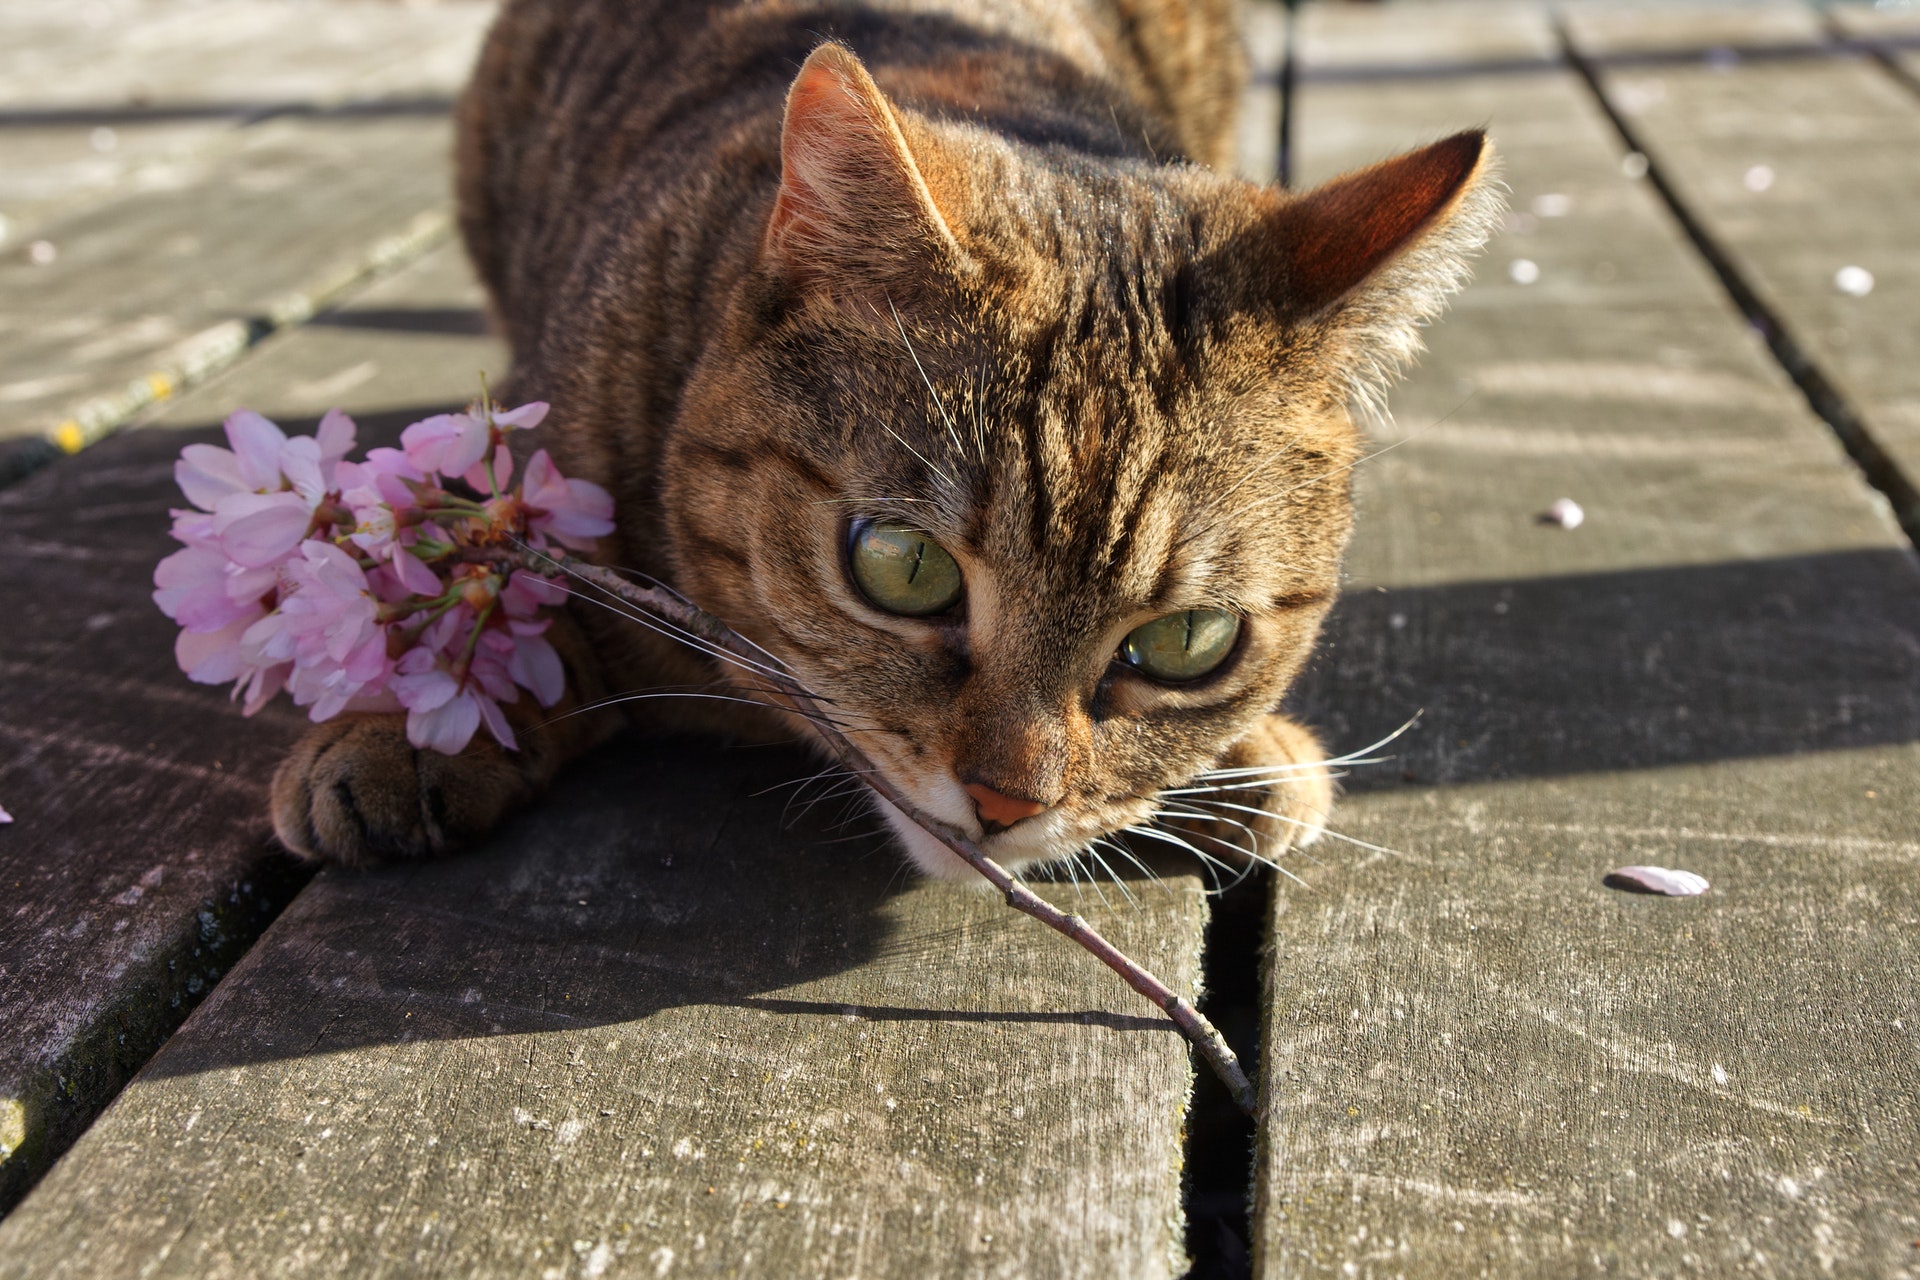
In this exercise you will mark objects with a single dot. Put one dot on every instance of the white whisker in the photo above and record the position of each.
(946, 417)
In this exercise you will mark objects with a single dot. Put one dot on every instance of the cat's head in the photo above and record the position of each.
(1036, 468)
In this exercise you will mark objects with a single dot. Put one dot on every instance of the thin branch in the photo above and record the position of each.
(673, 609)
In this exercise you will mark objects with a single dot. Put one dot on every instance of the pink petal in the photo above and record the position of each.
(1674, 884)
(422, 691)
(207, 473)
(536, 668)
(259, 690)
(525, 418)
(446, 729)
(414, 575)
(257, 529)
(300, 460)
(497, 723)
(212, 657)
(5, 817)
(256, 443)
(335, 436)
(502, 473)
(448, 443)
(534, 590)
(191, 588)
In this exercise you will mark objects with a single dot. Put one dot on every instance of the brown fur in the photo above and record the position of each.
(959, 271)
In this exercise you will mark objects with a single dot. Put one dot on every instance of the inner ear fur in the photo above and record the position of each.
(1368, 259)
(854, 216)
(1339, 236)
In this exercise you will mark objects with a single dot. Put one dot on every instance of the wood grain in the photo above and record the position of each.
(141, 863)
(513, 1048)
(1837, 138)
(174, 173)
(1481, 1061)
(652, 1030)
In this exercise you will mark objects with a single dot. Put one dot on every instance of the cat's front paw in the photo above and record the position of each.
(356, 791)
(1283, 805)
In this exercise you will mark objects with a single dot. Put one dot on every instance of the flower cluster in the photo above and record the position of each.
(355, 585)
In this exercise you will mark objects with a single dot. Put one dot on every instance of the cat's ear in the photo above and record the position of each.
(854, 215)
(1371, 257)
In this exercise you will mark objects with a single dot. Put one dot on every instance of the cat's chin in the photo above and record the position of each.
(1037, 840)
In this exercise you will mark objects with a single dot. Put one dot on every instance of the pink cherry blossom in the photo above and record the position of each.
(351, 585)
(191, 588)
(5, 817)
(259, 529)
(526, 594)
(571, 512)
(535, 664)
(448, 443)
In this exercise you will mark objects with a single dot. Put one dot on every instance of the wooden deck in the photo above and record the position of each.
(673, 1025)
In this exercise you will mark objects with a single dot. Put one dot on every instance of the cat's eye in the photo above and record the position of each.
(902, 570)
(1181, 646)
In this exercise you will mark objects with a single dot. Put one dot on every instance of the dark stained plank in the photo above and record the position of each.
(141, 863)
(1798, 167)
(1479, 1060)
(1892, 32)
(667, 1024)
(539, 1059)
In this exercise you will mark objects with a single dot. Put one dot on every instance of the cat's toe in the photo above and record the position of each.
(355, 791)
(1287, 808)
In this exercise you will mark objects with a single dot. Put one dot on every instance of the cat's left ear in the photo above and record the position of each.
(854, 216)
(1370, 257)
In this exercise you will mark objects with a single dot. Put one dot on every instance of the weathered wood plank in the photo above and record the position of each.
(1798, 167)
(1265, 27)
(1481, 1062)
(137, 276)
(97, 97)
(1893, 32)
(148, 237)
(541, 1057)
(403, 348)
(141, 862)
(651, 1031)
(152, 55)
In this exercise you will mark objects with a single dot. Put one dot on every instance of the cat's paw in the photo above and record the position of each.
(1284, 806)
(355, 791)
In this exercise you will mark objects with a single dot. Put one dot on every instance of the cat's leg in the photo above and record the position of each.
(355, 791)
(1285, 807)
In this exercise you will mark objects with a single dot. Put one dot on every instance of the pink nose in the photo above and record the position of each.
(997, 811)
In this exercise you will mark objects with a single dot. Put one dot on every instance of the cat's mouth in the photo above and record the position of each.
(1060, 832)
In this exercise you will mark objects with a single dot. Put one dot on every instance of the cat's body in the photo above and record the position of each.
(961, 284)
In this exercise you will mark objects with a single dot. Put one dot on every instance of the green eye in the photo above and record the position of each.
(1181, 646)
(902, 570)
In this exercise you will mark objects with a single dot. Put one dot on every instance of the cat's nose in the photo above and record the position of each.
(998, 812)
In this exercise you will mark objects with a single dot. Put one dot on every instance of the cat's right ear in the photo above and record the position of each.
(854, 217)
(1370, 257)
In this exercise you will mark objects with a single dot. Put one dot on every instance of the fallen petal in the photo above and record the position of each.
(1564, 512)
(1855, 282)
(1663, 880)
(5, 817)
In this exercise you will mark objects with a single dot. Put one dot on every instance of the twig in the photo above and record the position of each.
(672, 608)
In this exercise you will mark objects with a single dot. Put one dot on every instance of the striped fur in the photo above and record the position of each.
(995, 291)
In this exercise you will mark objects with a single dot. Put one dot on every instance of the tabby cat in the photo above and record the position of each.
(933, 347)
